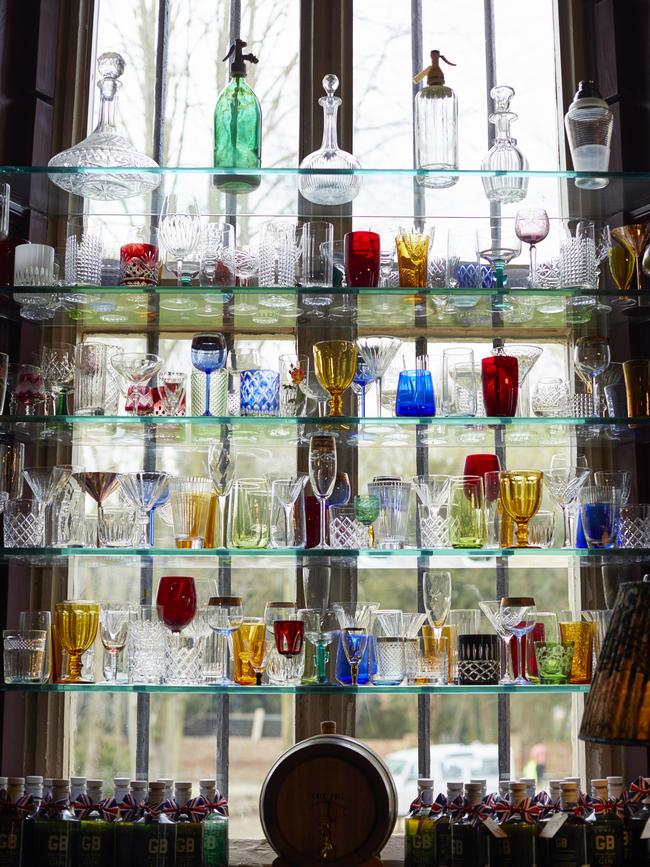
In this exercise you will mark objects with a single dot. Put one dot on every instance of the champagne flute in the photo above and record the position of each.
(179, 231)
(436, 593)
(322, 475)
(287, 490)
(222, 461)
(521, 497)
(76, 627)
(208, 353)
(591, 357)
(225, 616)
(531, 227)
(113, 631)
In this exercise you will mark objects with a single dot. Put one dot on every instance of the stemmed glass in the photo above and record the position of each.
(378, 352)
(532, 227)
(363, 377)
(172, 386)
(321, 628)
(498, 249)
(289, 637)
(592, 356)
(335, 362)
(621, 266)
(225, 616)
(366, 511)
(252, 640)
(179, 231)
(287, 490)
(57, 366)
(113, 630)
(311, 388)
(208, 353)
(564, 479)
(47, 483)
(354, 621)
(492, 611)
(222, 462)
(518, 616)
(144, 490)
(76, 628)
(436, 593)
(177, 599)
(136, 369)
(322, 475)
(100, 486)
(521, 497)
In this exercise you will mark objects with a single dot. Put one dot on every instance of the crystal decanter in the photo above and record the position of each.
(504, 155)
(330, 189)
(105, 147)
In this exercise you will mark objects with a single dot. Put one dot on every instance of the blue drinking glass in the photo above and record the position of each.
(159, 502)
(601, 522)
(208, 353)
(367, 666)
(581, 542)
(259, 392)
(415, 393)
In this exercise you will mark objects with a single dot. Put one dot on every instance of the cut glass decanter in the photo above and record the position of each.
(105, 147)
(504, 155)
(335, 189)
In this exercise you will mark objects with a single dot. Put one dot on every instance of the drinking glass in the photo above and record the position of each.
(24, 655)
(591, 357)
(432, 658)
(541, 530)
(250, 516)
(313, 390)
(335, 362)
(277, 254)
(517, 615)
(532, 227)
(222, 462)
(600, 620)
(317, 254)
(498, 248)
(554, 661)
(394, 498)
(412, 257)
(378, 352)
(39, 620)
(90, 363)
(208, 353)
(551, 398)
(581, 635)
(467, 527)
(24, 524)
(366, 510)
(57, 367)
(415, 394)
(345, 531)
(340, 496)
(100, 486)
(500, 383)
(179, 231)
(481, 465)
(432, 493)
(635, 238)
(289, 637)
(521, 497)
(217, 254)
(388, 636)
(362, 258)
(637, 386)
(259, 392)
(147, 640)
(114, 622)
(578, 256)
(363, 377)
(635, 526)
(287, 490)
(138, 264)
(321, 628)
(619, 479)
(117, 528)
(225, 616)
(455, 400)
(322, 475)
(47, 485)
(143, 490)
(76, 629)
(293, 371)
(436, 595)
(172, 388)
(354, 622)
(249, 651)
(564, 480)
(33, 265)
(492, 611)
(177, 598)
(466, 620)
(600, 512)
(189, 499)
(137, 370)
(4, 373)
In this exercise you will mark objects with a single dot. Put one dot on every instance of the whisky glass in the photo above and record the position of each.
(412, 258)
(76, 626)
(336, 364)
(521, 497)
(190, 503)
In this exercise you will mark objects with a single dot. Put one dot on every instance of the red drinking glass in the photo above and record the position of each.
(500, 380)
(177, 597)
(139, 265)
(361, 256)
(538, 634)
(479, 465)
(289, 636)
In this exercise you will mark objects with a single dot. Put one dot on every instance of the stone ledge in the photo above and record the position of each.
(258, 853)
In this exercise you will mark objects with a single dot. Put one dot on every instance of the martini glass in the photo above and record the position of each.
(499, 249)
(144, 490)
(100, 486)
(47, 483)
(492, 611)
(378, 352)
(137, 369)
(518, 615)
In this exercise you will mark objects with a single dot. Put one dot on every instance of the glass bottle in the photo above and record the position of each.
(589, 123)
(130, 801)
(215, 826)
(238, 126)
(11, 824)
(638, 819)
(34, 789)
(569, 845)
(436, 125)
(419, 829)
(189, 841)
(52, 829)
(93, 844)
(154, 833)
(106, 147)
(504, 155)
(469, 838)
(443, 826)
(519, 847)
(323, 189)
(605, 829)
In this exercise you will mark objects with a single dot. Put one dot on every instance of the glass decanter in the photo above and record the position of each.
(330, 189)
(504, 155)
(105, 147)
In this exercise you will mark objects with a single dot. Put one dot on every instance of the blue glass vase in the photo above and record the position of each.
(415, 393)
(259, 392)
(367, 666)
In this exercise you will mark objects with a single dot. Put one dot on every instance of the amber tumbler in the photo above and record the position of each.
(637, 386)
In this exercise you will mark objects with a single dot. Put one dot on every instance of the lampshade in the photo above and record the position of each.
(617, 710)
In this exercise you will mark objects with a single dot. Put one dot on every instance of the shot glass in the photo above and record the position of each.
(24, 655)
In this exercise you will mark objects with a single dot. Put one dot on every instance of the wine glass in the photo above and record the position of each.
(179, 231)
(278, 611)
(592, 356)
(287, 491)
(564, 479)
(172, 387)
(366, 511)
(378, 352)
(136, 369)
(57, 367)
(335, 362)
(518, 616)
(363, 377)
(635, 238)
(521, 497)
(354, 622)
(222, 461)
(76, 628)
(113, 630)
(342, 492)
(492, 611)
(289, 637)
(436, 593)
(225, 616)
(531, 227)
(498, 249)
(321, 628)
(208, 353)
(322, 475)
(144, 490)
(177, 598)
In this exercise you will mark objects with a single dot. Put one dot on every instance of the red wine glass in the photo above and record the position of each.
(289, 637)
(361, 250)
(177, 597)
(500, 381)
(479, 465)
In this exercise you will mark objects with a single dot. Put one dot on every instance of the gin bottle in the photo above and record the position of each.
(638, 820)
(154, 834)
(52, 830)
(469, 838)
(189, 835)
(605, 829)
(453, 812)
(519, 847)
(569, 845)
(215, 826)
(130, 802)
(93, 844)
(11, 823)
(419, 829)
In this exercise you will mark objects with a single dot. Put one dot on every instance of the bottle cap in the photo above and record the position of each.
(239, 61)
(94, 783)
(455, 788)
(94, 789)
(34, 780)
(59, 783)
(425, 783)
(48, 781)
(433, 73)
(208, 784)
(16, 781)
(615, 781)
(528, 781)
(474, 793)
(139, 786)
(121, 782)
(77, 781)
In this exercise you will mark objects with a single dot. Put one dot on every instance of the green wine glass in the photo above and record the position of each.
(366, 511)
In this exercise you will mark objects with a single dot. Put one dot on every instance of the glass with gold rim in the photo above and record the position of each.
(521, 497)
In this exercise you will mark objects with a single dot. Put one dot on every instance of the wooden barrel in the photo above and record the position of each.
(329, 799)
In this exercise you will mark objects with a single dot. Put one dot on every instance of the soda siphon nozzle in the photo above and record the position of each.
(238, 64)
(433, 73)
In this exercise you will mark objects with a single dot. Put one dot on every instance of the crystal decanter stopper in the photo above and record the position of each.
(105, 147)
(504, 155)
(330, 189)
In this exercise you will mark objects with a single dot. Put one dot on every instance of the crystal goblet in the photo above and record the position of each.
(378, 352)
(336, 363)
(136, 369)
(144, 490)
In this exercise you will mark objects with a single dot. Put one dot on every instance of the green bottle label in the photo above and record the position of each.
(568, 848)
(419, 841)
(154, 844)
(606, 843)
(188, 844)
(10, 841)
(215, 843)
(443, 843)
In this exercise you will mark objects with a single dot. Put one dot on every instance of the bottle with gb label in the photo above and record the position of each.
(419, 829)
(154, 834)
(130, 800)
(638, 824)
(94, 841)
(443, 824)
(469, 838)
(567, 844)
(519, 844)
(51, 832)
(215, 826)
(189, 838)
(11, 824)
(605, 829)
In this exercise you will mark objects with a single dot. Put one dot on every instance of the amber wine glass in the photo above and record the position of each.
(76, 627)
(336, 365)
(521, 497)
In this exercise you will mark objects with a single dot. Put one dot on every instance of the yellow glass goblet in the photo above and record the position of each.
(76, 627)
(336, 364)
(521, 497)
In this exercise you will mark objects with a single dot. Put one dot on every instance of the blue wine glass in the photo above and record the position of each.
(209, 352)
(362, 379)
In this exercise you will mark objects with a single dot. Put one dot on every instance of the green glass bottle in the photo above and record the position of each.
(419, 829)
(214, 826)
(443, 826)
(11, 824)
(569, 845)
(189, 835)
(238, 127)
(52, 830)
(605, 830)
(129, 801)
(519, 848)
(93, 842)
(154, 834)
(469, 838)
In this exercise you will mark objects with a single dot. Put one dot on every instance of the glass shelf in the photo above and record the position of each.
(270, 689)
